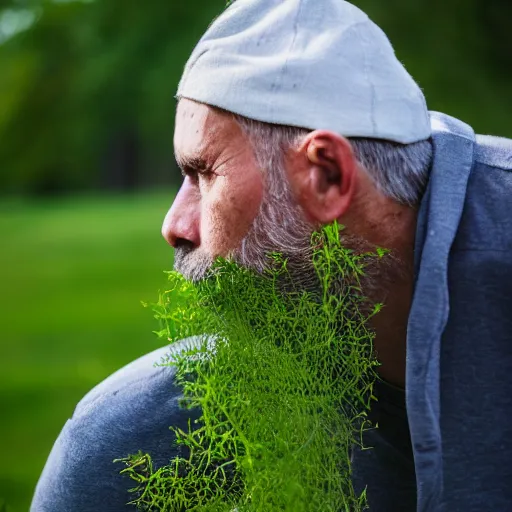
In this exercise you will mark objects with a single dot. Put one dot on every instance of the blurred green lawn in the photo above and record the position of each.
(73, 274)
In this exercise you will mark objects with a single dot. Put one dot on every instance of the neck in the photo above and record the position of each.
(392, 226)
(391, 323)
(390, 326)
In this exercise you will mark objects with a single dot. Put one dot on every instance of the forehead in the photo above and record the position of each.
(202, 131)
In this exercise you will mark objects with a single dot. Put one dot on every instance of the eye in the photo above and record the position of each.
(205, 174)
(198, 177)
(197, 169)
(191, 173)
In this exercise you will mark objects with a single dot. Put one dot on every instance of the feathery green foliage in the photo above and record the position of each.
(283, 380)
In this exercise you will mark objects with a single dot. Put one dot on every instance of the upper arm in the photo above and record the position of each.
(129, 412)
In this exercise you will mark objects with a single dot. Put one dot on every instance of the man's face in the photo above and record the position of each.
(228, 206)
(224, 206)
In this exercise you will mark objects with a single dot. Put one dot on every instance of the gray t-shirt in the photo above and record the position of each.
(451, 450)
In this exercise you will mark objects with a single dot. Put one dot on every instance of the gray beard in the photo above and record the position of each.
(281, 227)
(191, 263)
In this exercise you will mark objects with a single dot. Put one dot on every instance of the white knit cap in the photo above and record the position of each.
(317, 64)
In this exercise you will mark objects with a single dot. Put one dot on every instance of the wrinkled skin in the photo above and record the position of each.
(221, 192)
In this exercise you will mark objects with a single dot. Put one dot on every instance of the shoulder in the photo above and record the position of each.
(488, 150)
(139, 378)
(494, 151)
(131, 410)
(486, 224)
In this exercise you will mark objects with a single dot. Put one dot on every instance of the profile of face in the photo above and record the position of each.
(224, 206)
(229, 206)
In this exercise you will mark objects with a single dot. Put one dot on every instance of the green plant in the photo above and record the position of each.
(283, 378)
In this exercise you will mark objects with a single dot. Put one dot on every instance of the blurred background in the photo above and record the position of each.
(87, 173)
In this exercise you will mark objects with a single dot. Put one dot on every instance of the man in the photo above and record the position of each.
(293, 114)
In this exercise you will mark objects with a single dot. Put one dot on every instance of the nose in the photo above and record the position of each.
(182, 220)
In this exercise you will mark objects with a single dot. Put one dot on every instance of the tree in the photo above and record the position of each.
(86, 90)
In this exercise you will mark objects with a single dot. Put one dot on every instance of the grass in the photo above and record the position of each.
(73, 274)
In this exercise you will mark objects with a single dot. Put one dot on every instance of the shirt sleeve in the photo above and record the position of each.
(130, 411)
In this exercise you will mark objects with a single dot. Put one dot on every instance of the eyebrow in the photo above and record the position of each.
(189, 164)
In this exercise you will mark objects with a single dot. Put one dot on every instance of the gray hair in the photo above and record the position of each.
(400, 171)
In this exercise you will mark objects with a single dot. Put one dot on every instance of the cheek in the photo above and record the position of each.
(228, 211)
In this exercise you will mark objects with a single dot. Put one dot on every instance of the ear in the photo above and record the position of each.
(325, 178)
